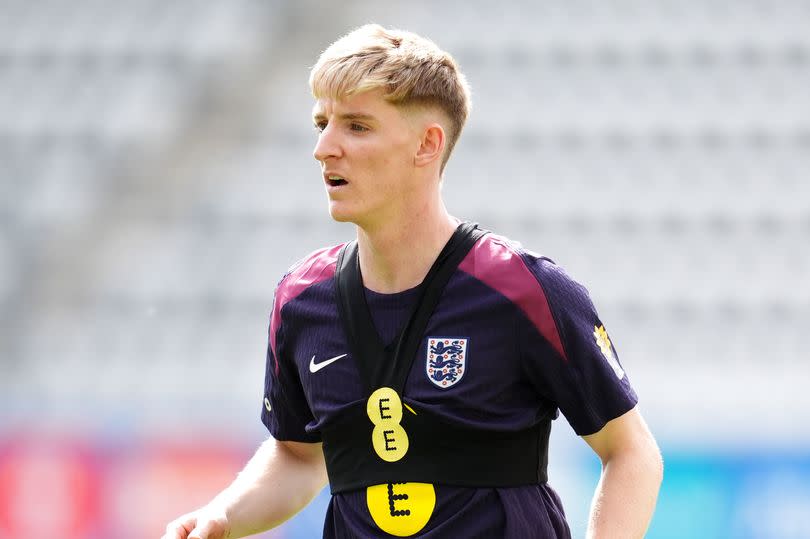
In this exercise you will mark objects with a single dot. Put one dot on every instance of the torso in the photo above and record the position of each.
(467, 371)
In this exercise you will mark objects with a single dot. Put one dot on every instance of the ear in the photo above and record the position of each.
(431, 145)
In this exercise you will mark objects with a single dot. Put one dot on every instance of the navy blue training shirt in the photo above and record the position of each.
(512, 339)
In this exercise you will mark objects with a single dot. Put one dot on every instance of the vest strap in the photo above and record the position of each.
(378, 366)
(439, 452)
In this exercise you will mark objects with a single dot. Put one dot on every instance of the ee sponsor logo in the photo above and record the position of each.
(401, 509)
(384, 409)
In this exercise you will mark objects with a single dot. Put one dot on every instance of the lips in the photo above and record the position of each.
(334, 180)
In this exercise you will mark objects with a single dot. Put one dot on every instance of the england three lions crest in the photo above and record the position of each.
(446, 360)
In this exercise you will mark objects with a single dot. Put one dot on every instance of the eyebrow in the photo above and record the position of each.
(347, 116)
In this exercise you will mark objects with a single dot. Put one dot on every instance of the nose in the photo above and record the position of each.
(327, 146)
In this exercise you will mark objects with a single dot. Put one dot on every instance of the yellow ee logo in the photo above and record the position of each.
(389, 439)
(401, 509)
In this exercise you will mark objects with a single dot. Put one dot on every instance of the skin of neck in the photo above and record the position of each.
(397, 254)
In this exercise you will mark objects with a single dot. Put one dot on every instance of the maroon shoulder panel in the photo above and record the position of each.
(496, 263)
(316, 268)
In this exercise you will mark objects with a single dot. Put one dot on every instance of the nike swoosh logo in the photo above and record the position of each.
(315, 367)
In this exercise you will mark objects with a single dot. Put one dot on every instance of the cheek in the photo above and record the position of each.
(382, 168)
(398, 162)
(386, 167)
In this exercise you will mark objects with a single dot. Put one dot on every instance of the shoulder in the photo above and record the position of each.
(497, 258)
(562, 290)
(497, 255)
(314, 268)
(525, 278)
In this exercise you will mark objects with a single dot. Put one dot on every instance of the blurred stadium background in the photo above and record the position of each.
(156, 180)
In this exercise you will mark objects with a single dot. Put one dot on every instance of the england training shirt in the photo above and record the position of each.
(513, 340)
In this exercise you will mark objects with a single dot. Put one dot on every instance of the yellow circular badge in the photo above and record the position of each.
(384, 409)
(401, 509)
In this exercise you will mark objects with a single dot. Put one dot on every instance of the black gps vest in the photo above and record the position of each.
(438, 452)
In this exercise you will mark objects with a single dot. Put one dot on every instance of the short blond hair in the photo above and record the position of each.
(410, 68)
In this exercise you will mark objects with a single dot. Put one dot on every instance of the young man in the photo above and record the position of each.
(421, 365)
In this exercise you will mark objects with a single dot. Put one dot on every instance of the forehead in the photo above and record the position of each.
(369, 103)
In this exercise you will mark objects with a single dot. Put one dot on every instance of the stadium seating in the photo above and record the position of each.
(156, 180)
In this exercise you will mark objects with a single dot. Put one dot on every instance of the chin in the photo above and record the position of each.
(341, 214)
(341, 218)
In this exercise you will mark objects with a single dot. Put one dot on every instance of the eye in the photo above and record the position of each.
(319, 126)
(358, 127)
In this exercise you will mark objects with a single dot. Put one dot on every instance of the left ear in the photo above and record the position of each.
(431, 145)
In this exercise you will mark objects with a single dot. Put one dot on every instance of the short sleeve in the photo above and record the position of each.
(285, 411)
(583, 376)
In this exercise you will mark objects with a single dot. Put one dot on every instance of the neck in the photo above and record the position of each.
(397, 255)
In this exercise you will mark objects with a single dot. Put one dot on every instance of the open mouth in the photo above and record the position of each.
(335, 181)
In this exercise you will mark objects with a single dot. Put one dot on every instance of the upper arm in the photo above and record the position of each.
(285, 410)
(624, 434)
(309, 458)
(307, 452)
(572, 361)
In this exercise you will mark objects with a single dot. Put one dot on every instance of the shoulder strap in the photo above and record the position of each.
(465, 236)
(379, 367)
(364, 342)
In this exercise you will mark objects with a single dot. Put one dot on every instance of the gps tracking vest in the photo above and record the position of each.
(383, 441)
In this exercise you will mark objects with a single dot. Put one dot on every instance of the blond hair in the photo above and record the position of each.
(411, 69)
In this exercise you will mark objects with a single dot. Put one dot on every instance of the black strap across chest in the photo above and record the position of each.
(382, 366)
(440, 452)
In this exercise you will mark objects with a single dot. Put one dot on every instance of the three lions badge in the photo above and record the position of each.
(446, 359)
